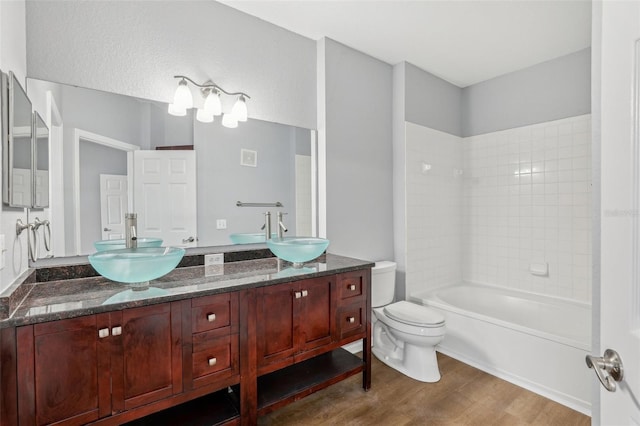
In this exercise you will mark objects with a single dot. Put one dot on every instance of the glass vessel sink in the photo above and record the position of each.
(120, 244)
(297, 249)
(249, 238)
(136, 265)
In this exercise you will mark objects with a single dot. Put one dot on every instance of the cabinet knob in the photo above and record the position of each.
(297, 294)
(103, 332)
(116, 331)
(351, 320)
(211, 317)
(305, 293)
(352, 287)
(212, 361)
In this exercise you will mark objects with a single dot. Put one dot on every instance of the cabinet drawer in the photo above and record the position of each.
(351, 320)
(351, 286)
(211, 312)
(217, 357)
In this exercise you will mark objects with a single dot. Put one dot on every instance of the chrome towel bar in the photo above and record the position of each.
(276, 204)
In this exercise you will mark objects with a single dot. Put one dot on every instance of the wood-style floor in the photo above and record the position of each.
(464, 396)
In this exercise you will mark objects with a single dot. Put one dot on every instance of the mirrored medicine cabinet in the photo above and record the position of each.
(25, 143)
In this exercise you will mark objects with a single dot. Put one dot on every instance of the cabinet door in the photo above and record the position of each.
(277, 312)
(63, 370)
(317, 321)
(146, 358)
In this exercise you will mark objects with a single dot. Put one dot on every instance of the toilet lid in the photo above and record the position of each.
(411, 313)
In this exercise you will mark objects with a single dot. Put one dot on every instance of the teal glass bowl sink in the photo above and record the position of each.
(104, 245)
(136, 265)
(297, 249)
(249, 238)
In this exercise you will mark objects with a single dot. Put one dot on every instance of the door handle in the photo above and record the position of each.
(188, 240)
(608, 368)
(107, 229)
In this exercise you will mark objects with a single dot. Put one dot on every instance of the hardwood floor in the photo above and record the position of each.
(464, 396)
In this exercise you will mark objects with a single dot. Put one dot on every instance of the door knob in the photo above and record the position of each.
(107, 229)
(188, 240)
(608, 368)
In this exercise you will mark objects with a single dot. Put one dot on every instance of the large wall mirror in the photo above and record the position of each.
(17, 143)
(114, 148)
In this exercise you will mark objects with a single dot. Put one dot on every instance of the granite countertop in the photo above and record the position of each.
(68, 298)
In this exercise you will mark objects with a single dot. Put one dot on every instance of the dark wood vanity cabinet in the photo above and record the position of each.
(75, 371)
(211, 341)
(235, 355)
(294, 318)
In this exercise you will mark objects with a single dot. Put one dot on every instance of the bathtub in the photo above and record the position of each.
(536, 342)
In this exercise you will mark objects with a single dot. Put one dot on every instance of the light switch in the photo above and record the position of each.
(221, 224)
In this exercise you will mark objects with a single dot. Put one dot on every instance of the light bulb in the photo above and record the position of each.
(240, 109)
(212, 103)
(203, 116)
(229, 120)
(183, 98)
(174, 110)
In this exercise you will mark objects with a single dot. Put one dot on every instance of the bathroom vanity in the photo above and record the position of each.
(210, 345)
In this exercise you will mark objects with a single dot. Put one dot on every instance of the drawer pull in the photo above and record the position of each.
(212, 361)
(352, 287)
(351, 320)
(103, 332)
(305, 293)
(116, 331)
(211, 317)
(297, 294)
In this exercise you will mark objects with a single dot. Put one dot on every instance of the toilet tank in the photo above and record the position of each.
(383, 283)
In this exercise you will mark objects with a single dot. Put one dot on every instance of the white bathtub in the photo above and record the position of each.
(533, 341)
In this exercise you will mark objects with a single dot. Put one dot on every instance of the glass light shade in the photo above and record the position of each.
(174, 110)
(229, 120)
(212, 103)
(203, 116)
(183, 98)
(240, 109)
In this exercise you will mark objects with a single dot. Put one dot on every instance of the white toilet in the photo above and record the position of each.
(405, 334)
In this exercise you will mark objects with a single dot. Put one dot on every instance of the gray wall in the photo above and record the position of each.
(399, 171)
(357, 98)
(431, 101)
(552, 90)
(222, 181)
(94, 160)
(136, 47)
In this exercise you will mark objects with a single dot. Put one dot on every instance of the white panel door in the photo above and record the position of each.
(619, 255)
(21, 187)
(165, 196)
(113, 205)
(42, 187)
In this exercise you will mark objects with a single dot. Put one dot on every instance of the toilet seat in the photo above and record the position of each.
(413, 314)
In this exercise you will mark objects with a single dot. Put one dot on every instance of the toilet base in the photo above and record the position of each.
(418, 362)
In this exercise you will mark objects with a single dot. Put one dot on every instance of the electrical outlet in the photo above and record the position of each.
(221, 224)
(213, 259)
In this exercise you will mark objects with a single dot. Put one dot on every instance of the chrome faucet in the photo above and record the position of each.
(267, 226)
(130, 233)
(281, 228)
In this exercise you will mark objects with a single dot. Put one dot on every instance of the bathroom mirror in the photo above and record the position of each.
(40, 162)
(17, 143)
(103, 132)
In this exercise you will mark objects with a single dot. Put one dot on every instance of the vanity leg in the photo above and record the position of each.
(366, 342)
(248, 359)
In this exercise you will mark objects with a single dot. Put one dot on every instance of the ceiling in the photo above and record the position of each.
(463, 42)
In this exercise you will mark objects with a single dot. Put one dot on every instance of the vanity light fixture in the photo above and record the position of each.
(211, 92)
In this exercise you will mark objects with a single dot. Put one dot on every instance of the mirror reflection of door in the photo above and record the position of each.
(164, 185)
(113, 205)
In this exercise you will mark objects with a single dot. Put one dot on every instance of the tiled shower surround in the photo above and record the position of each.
(524, 196)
